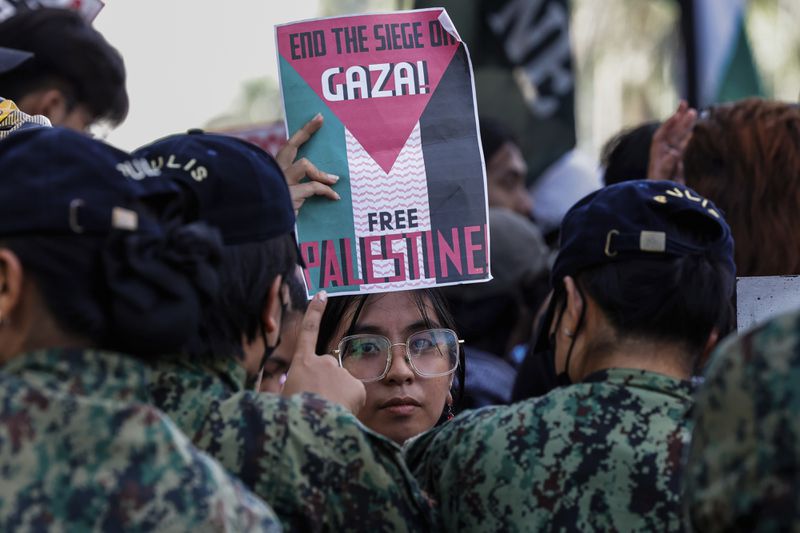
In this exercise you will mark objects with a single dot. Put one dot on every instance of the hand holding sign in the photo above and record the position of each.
(319, 182)
(321, 375)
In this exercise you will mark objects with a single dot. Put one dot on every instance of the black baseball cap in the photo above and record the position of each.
(638, 219)
(239, 188)
(54, 181)
(11, 58)
(641, 219)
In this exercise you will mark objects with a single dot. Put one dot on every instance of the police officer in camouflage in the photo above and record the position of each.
(642, 286)
(304, 451)
(86, 274)
(743, 468)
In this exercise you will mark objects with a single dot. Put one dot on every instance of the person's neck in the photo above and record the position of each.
(662, 358)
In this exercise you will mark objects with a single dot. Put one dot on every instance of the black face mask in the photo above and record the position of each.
(539, 368)
(545, 346)
(563, 378)
(254, 381)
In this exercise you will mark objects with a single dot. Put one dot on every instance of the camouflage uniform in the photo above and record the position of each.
(598, 455)
(743, 468)
(12, 119)
(316, 464)
(74, 457)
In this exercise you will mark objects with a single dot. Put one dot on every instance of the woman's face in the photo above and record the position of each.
(402, 404)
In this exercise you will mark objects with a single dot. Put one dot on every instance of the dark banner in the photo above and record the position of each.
(524, 76)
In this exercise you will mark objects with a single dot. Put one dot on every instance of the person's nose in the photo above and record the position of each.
(400, 370)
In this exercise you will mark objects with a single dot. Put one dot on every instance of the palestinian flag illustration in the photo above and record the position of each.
(400, 130)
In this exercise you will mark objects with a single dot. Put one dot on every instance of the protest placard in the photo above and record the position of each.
(400, 130)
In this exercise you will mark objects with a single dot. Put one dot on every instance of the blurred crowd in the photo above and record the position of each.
(162, 369)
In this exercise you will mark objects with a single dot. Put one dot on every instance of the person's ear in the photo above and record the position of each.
(271, 314)
(573, 308)
(51, 103)
(11, 281)
(711, 343)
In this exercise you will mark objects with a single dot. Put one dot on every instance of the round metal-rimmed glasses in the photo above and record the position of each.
(430, 353)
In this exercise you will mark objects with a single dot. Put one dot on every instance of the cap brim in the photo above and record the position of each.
(11, 59)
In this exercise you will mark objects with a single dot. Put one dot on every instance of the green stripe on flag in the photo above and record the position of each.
(740, 78)
(328, 218)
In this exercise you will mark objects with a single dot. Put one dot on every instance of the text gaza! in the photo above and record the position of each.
(380, 80)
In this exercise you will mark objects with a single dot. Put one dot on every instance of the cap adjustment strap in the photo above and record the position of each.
(74, 206)
(607, 249)
(653, 241)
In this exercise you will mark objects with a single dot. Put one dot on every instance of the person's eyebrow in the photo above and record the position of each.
(371, 329)
(420, 325)
(374, 329)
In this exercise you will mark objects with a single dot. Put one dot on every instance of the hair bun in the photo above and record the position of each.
(158, 284)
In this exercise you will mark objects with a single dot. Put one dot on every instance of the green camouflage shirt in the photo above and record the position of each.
(603, 454)
(317, 465)
(75, 457)
(743, 468)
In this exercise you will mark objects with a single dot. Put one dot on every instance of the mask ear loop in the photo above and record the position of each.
(268, 350)
(563, 378)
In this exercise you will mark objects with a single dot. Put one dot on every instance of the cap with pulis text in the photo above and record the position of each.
(641, 219)
(239, 188)
(54, 181)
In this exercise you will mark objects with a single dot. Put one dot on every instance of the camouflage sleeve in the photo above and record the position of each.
(550, 463)
(81, 464)
(316, 464)
(742, 465)
(443, 462)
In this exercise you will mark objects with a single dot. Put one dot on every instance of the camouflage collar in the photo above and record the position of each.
(643, 379)
(83, 372)
(225, 368)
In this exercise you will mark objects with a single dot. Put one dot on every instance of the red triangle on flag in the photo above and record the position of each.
(379, 93)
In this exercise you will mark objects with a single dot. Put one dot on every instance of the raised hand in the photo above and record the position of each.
(319, 182)
(321, 375)
(669, 143)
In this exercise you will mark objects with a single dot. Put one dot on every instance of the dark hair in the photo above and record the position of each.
(496, 323)
(129, 291)
(745, 157)
(338, 306)
(494, 134)
(70, 55)
(626, 156)
(246, 274)
(678, 300)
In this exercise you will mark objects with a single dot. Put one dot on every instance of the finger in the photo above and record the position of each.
(309, 329)
(668, 166)
(685, 129)
(303, 191)
(305, 168)
(286, 155)
(670, 126)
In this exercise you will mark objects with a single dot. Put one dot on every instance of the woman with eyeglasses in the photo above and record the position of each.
(402, 346)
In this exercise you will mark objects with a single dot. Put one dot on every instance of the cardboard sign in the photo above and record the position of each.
(400, 130)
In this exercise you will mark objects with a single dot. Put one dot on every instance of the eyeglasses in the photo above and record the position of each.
(430, 353)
